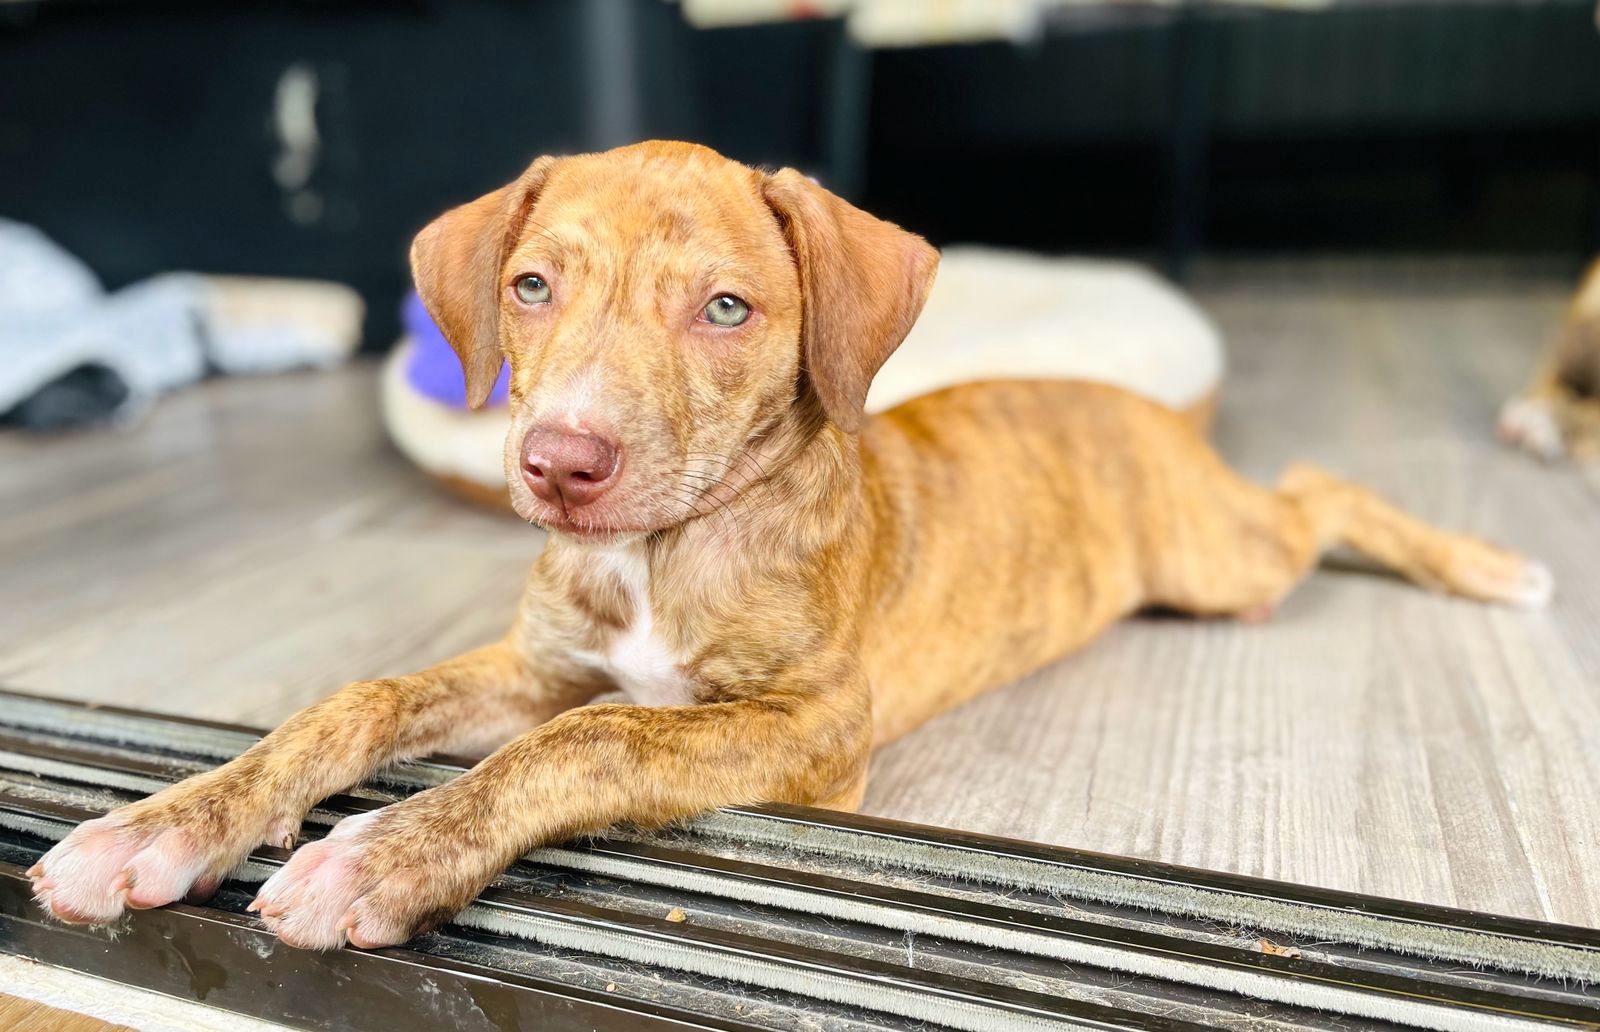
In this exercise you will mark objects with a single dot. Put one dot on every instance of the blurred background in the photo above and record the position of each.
(314, 138)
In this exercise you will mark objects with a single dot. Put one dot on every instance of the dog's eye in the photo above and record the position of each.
(532, 290)
(726, 310)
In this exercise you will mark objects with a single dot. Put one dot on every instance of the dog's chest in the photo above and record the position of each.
(639, 658)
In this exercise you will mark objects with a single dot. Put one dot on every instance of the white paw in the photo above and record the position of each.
(1529, 424)
(1535, 588)
(321, 898)
(104, 866)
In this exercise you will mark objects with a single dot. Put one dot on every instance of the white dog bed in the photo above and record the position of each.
(992, 315)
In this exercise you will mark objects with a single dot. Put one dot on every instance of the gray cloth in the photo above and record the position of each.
(63, 336)
(72, 354)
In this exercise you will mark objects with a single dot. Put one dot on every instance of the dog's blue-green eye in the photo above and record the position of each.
(727, 310)
(532, 290)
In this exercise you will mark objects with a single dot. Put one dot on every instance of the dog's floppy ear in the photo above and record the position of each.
(862, 284)
(456, 262)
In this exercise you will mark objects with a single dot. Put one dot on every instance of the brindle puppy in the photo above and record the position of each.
(780, 582)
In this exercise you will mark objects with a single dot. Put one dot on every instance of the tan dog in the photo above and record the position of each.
(1558, 415)
(780, 583)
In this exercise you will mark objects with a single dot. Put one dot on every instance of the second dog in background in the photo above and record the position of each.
(1558, 415)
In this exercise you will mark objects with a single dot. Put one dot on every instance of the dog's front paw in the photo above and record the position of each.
(378, 879)
(179, 843)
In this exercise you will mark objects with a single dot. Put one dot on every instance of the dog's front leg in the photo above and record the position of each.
(383, 876)
(183, 840)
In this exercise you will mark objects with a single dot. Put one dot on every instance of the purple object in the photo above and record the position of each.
(434, 369)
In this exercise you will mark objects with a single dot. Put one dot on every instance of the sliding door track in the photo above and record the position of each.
(777, 917)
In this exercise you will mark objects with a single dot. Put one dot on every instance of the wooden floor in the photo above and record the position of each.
(256, 543)
(26, 1016)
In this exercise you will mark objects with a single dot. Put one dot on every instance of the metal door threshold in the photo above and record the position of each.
(781, 918)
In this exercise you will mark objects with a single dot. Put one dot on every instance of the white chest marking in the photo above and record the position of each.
(639, 660)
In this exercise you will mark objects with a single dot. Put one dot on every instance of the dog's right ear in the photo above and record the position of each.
(457, 261)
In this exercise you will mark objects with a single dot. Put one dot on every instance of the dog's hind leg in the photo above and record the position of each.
(1339, 512)
(1238, 548)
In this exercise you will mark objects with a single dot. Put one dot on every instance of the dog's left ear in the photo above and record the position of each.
(863, 282)
(456, 262)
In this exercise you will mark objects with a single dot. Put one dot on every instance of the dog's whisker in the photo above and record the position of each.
(720, 508)
(734, 481)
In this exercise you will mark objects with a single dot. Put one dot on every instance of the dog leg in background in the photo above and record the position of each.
(1344, 513)
(1558, 415)
(1236, 548)
(1552, 419)
(381, 877)
(183, 841)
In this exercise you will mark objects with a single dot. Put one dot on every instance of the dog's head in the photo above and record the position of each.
(663, 309)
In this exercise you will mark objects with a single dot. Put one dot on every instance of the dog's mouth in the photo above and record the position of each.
(585, 530)
(673, 506)
(584, 525)
(609, 518)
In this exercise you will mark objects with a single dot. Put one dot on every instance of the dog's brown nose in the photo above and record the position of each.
(568, 468)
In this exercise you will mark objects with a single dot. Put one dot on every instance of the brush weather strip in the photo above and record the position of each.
(776, 917)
